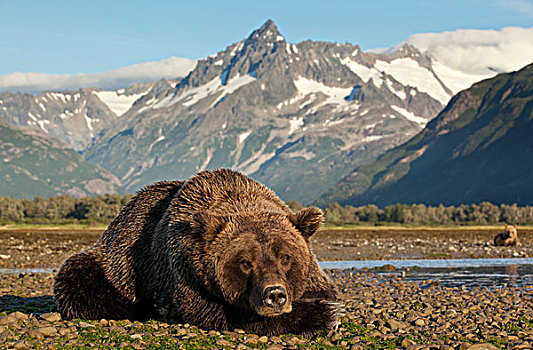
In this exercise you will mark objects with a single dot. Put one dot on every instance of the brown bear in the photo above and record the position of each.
(219, 251)
(508, 237)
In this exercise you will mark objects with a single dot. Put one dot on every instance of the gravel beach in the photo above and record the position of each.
(382, 311)
(26, 248)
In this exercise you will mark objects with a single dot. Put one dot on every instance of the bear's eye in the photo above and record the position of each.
(285, 259)
(245, 264)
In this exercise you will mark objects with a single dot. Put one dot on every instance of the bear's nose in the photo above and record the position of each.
(274, 296)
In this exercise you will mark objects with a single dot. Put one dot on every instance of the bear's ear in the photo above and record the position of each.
(307, 221)
(209, 224)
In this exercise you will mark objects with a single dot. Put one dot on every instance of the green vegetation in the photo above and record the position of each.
(61, 210)
(65, 210)
(420, 214)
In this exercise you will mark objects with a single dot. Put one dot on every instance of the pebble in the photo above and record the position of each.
(379, 308)
(51, 316)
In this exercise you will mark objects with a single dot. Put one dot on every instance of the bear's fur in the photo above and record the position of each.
(508, 237)
(219, 251)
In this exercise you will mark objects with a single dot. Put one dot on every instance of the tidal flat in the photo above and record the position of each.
(382, 311)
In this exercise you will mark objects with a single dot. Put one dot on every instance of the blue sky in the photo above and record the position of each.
(94, 36)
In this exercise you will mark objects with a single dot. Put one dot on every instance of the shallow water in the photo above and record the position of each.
(494, 273)
(497, 273)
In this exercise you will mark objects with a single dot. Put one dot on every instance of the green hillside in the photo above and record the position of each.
(479, 148)
(34, 164)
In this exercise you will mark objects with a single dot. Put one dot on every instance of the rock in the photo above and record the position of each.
(263, 339)
(415, 347)
(522, 345)
(223, 343)
(482, 346)
(85, 324)
(21, 344)
(51, 316)
(13, 318)
(275, 347)
(407, 342)
(394, 325)
(47, 331)
(420, 322)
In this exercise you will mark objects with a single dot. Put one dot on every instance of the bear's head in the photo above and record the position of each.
(260, 260)
(510, 232)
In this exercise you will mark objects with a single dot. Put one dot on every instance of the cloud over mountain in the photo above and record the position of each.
(171, 68)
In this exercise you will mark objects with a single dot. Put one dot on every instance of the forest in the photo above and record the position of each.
(102, 209)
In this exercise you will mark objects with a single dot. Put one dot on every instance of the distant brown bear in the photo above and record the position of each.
(219, 251)
(509, 237)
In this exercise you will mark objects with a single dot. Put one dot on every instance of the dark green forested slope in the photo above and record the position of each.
(34, 164)
(479, 148)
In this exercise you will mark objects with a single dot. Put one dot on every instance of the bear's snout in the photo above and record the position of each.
(274, 296)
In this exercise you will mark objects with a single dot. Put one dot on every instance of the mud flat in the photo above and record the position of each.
(26, 248)
(391, 243)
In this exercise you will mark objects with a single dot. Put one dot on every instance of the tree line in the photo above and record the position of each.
(420, 214)
(102, 209)
(62, 209)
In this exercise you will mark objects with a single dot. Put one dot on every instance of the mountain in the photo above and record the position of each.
(34, 164)
(479, 148)
(74, 117)
(294, 116)
(298, 117)
(35, 83)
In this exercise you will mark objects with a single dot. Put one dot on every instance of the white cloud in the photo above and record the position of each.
(171, 68)
(479, 52)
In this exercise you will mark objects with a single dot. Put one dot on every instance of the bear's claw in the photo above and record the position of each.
(337, 311)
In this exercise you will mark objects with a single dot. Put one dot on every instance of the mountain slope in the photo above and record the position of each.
(73, 117)
(479, 148)
(294, 116)
(34, 164)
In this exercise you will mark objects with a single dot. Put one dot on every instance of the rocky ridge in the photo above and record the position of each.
(294, 116)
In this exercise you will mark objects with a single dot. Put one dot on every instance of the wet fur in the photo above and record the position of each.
(159, 259)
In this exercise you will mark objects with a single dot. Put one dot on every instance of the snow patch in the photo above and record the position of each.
(371, 138)
(117, 103)
(244, 136)
(400, 93)
(335, 95)
(295, 123)
(194, 95)
(89, 122)
(410, 115)
(408, 72)
(364, 72)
